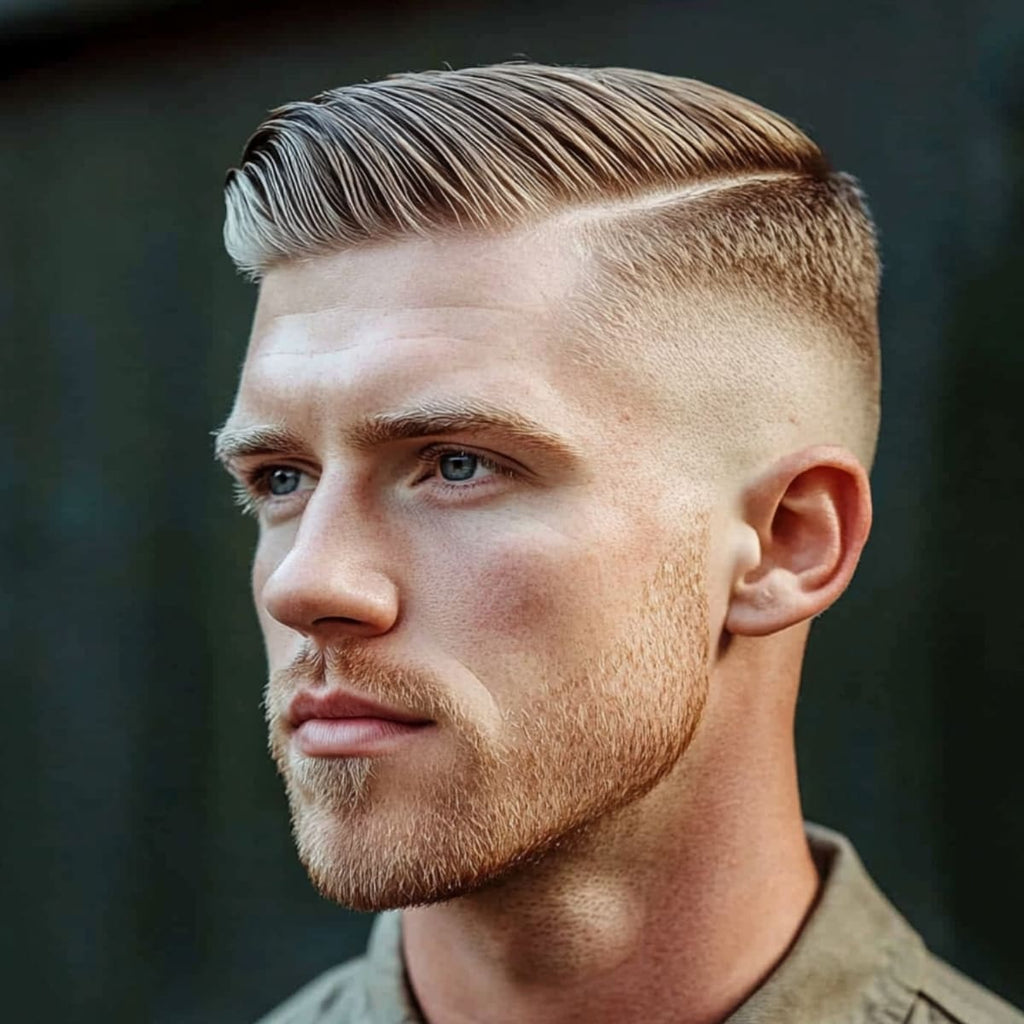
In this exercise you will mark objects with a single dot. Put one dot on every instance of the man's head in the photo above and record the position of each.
(558, 380)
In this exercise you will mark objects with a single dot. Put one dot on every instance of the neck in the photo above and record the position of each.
(676, 908)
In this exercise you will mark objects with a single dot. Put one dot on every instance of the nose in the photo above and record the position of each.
(332, 583)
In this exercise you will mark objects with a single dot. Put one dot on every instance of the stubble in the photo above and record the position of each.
(581, 746)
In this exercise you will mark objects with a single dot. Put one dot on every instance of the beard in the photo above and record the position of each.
(580, 747)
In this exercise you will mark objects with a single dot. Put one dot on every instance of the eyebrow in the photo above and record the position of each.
(232, 443)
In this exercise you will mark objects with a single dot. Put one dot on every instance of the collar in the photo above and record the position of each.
(855, 959)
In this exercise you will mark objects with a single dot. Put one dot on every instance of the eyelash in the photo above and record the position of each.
(253, 491)
(251, 494)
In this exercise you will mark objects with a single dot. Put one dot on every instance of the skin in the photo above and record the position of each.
(672, 900)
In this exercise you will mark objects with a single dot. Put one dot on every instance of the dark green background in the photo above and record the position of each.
(146, 855)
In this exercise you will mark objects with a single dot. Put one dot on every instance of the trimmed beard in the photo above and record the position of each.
(579, 750)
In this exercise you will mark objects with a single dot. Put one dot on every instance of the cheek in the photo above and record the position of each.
(522, 592)
(526, 591)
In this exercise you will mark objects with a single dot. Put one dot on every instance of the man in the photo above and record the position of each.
(557, 418)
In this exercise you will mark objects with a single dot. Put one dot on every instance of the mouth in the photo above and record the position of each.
(340, 724)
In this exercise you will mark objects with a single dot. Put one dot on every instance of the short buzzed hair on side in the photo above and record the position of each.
(675, 185)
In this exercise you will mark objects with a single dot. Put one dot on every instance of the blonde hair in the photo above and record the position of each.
(678, 184)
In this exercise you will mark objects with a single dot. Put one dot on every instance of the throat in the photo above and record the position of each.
(649, 941)
(590, 929)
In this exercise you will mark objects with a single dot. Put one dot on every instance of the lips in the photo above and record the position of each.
(340, 724)
(339, 704)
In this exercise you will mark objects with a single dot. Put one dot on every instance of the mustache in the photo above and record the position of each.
(367, 673)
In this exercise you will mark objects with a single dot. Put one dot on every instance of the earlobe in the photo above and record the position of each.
(811, 513)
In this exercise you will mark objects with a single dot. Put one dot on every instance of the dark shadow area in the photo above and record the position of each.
(978, 566)
(118, 32)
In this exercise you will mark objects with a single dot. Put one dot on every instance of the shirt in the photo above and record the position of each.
(855, 961)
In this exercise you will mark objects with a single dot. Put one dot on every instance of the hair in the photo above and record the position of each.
(674, 184)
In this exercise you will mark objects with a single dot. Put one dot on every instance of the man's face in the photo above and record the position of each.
(465, 523)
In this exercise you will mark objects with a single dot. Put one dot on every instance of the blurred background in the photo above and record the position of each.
(148, 868)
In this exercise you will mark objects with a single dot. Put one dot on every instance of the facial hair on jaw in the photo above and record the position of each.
(578, 750)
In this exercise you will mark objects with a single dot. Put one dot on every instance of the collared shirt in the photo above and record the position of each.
(855, 961)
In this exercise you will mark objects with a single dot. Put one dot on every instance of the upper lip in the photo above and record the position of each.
(341, 704)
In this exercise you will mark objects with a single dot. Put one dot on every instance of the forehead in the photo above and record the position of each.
(527, 271)
(472, 317)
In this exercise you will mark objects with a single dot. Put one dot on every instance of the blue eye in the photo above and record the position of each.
(457, 465)
(283, 481)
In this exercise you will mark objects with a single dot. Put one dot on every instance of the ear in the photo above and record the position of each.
(811, 513)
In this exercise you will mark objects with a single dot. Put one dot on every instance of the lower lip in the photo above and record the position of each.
(352, 737)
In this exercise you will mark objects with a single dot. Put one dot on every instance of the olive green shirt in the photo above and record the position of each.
(856, 961)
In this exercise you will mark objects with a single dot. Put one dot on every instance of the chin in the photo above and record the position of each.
(365, 860)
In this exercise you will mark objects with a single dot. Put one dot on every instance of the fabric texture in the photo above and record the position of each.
(855, 961)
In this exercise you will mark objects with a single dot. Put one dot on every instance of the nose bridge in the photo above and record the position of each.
(337, 572)
(335, 516)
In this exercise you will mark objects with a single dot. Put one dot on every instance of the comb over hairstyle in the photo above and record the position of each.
(673, 184)
(487, 148)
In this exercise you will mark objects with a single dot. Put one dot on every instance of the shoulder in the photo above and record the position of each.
(858, 959)
(368, 990)
(946, 996)
(336, 996)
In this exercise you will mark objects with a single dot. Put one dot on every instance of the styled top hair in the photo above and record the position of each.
(679, 184)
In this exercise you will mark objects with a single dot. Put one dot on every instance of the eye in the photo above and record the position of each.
(457, 469)
(260, 487)
(457, 465)
(282, 480)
